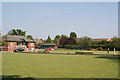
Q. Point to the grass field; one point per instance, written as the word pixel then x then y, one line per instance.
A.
pixel 73 51
pixel 59 66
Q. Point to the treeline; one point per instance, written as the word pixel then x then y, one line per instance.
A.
pixel 72 42
pixel 86 43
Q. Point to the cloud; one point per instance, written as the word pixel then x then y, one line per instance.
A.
pixel 47 12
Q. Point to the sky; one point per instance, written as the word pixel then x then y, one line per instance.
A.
pixel 40 19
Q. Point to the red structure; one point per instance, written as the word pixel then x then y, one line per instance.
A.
pixel 14 42
pixel 101 39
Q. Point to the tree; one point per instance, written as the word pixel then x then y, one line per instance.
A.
pixel 3 42
pixel 48 40
pixel 67 41
pixel 73 35
pixel 30 37
pixel 84 42
pixel 41 39
pixel 63 41
pixel 116 43
pixel 56 38
pixel 64 36
pixel 17 32
pixel 71 41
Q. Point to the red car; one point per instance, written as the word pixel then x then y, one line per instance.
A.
pixel 47 49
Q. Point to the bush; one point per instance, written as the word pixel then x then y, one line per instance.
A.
pixel 84 53
pixel 41 52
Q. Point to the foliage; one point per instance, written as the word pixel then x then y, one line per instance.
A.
pixel 17 32
pixel 84 42
pixel 116 43
pixel 73 35
pixel 30 37
pixel 48 40
pixel 56 38
pixel 67 41
pixel 64 36
pixel 3 42
pixel 41 40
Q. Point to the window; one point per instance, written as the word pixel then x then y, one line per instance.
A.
pixel 11 43
pixel 31 44
pixel 24 45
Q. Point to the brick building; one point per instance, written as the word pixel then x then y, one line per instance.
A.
pixel 49 45
pixel 14 42
pixel 38 41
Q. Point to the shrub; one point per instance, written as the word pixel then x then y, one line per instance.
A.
pixel 84 53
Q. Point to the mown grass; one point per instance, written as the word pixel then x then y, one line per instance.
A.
pixel 59 66
pixel 74 50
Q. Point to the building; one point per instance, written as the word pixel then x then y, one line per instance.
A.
pixel 111 39
pixel 14 42
pixel 49 45
pixel 58 41
pixel 37 41
pixel 100 39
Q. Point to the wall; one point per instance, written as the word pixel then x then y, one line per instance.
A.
pixel 8 47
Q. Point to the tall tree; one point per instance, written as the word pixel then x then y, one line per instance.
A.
pixel 17 32
pixel 30 37
pixel 48 40
pixel 73 35
pixel 84 42
pixel 116 43
pixel 64 36
pixel 56 38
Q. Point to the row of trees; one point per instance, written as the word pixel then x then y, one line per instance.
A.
pixel 87 43
pixel 73 42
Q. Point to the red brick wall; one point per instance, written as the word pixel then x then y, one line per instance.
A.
pixel 55 47
pixel 8 47
pixel 31 46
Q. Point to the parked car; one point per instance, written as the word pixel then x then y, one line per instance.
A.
pixel 47 49
pixel 19 50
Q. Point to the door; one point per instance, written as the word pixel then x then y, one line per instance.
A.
pixel 19 44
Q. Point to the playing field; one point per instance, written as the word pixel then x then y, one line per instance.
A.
pixel 74 50
pixel 59 66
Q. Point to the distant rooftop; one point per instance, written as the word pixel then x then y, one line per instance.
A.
pixel 50 44
pixel 16 38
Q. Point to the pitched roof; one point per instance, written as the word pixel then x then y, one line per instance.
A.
pixel 49 44
pixel 16 38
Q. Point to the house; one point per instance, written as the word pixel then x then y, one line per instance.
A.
pixel 111 39
pixel 49 45
pixel 14 42
pixel 100 39
pixel 37 41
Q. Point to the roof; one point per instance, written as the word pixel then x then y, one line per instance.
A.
pixel 38 40
pixel 100 39
pixel 49 44
pixel 16 38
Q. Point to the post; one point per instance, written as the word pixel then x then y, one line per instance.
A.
pixel 108 51
pixel 114 50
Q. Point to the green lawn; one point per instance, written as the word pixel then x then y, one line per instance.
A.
pixel 73 51
pixel 59 66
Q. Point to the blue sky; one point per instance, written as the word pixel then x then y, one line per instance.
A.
pixel 40 19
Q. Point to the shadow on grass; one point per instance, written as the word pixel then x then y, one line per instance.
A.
pixel 17 77
pixel 109 57
pixel 114 58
